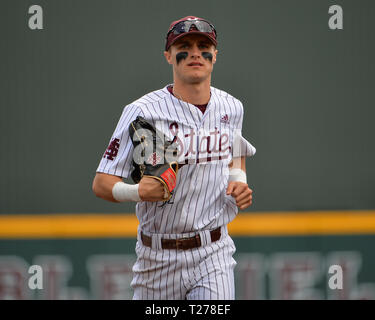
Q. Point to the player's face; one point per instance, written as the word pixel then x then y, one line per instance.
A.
pixel 192 57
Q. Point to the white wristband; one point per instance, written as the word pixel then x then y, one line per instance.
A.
pixel 125 192
pixel 237 175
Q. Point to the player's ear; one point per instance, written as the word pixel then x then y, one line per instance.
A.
pixel 168 56
pixel 214 56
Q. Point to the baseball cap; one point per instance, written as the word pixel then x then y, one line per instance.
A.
pixel 190 25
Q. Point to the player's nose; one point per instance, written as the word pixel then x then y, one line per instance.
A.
pixel 195 51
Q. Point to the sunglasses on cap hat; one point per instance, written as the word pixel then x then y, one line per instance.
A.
pixel 184 26
pixel 190 25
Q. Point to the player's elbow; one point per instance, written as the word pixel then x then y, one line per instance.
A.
pixel 102 186
pixel 95 187
pixel 98 186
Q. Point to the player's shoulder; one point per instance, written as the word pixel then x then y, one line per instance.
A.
pixel 142 104
pixel 150 98
pixel 221 94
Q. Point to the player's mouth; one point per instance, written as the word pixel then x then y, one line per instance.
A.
pixel 195 64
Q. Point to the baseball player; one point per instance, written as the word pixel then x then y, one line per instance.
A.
pixel 183 247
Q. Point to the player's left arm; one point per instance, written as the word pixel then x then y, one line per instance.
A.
pixel 237 186
pixel 241 148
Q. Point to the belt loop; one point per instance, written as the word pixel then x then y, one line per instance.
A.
pixel 155 242
pixel 158 243
pixel 205 237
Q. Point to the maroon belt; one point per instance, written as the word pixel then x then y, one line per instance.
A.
pixel 183 243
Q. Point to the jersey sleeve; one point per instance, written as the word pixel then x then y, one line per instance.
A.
pixel 241 147
pixel 117 158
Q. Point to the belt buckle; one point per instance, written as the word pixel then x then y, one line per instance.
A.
pixel 180 244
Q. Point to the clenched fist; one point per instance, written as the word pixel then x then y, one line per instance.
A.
pixel 241 193
pixel 151 189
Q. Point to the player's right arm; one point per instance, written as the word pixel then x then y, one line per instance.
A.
pixel 149 189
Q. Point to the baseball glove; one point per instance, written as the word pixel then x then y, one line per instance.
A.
pixel 154 155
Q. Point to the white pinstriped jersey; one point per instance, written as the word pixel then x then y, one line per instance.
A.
pixel 206 142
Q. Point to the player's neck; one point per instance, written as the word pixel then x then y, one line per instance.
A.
pixel 198 94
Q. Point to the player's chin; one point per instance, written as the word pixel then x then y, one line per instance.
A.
pixel 197 77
